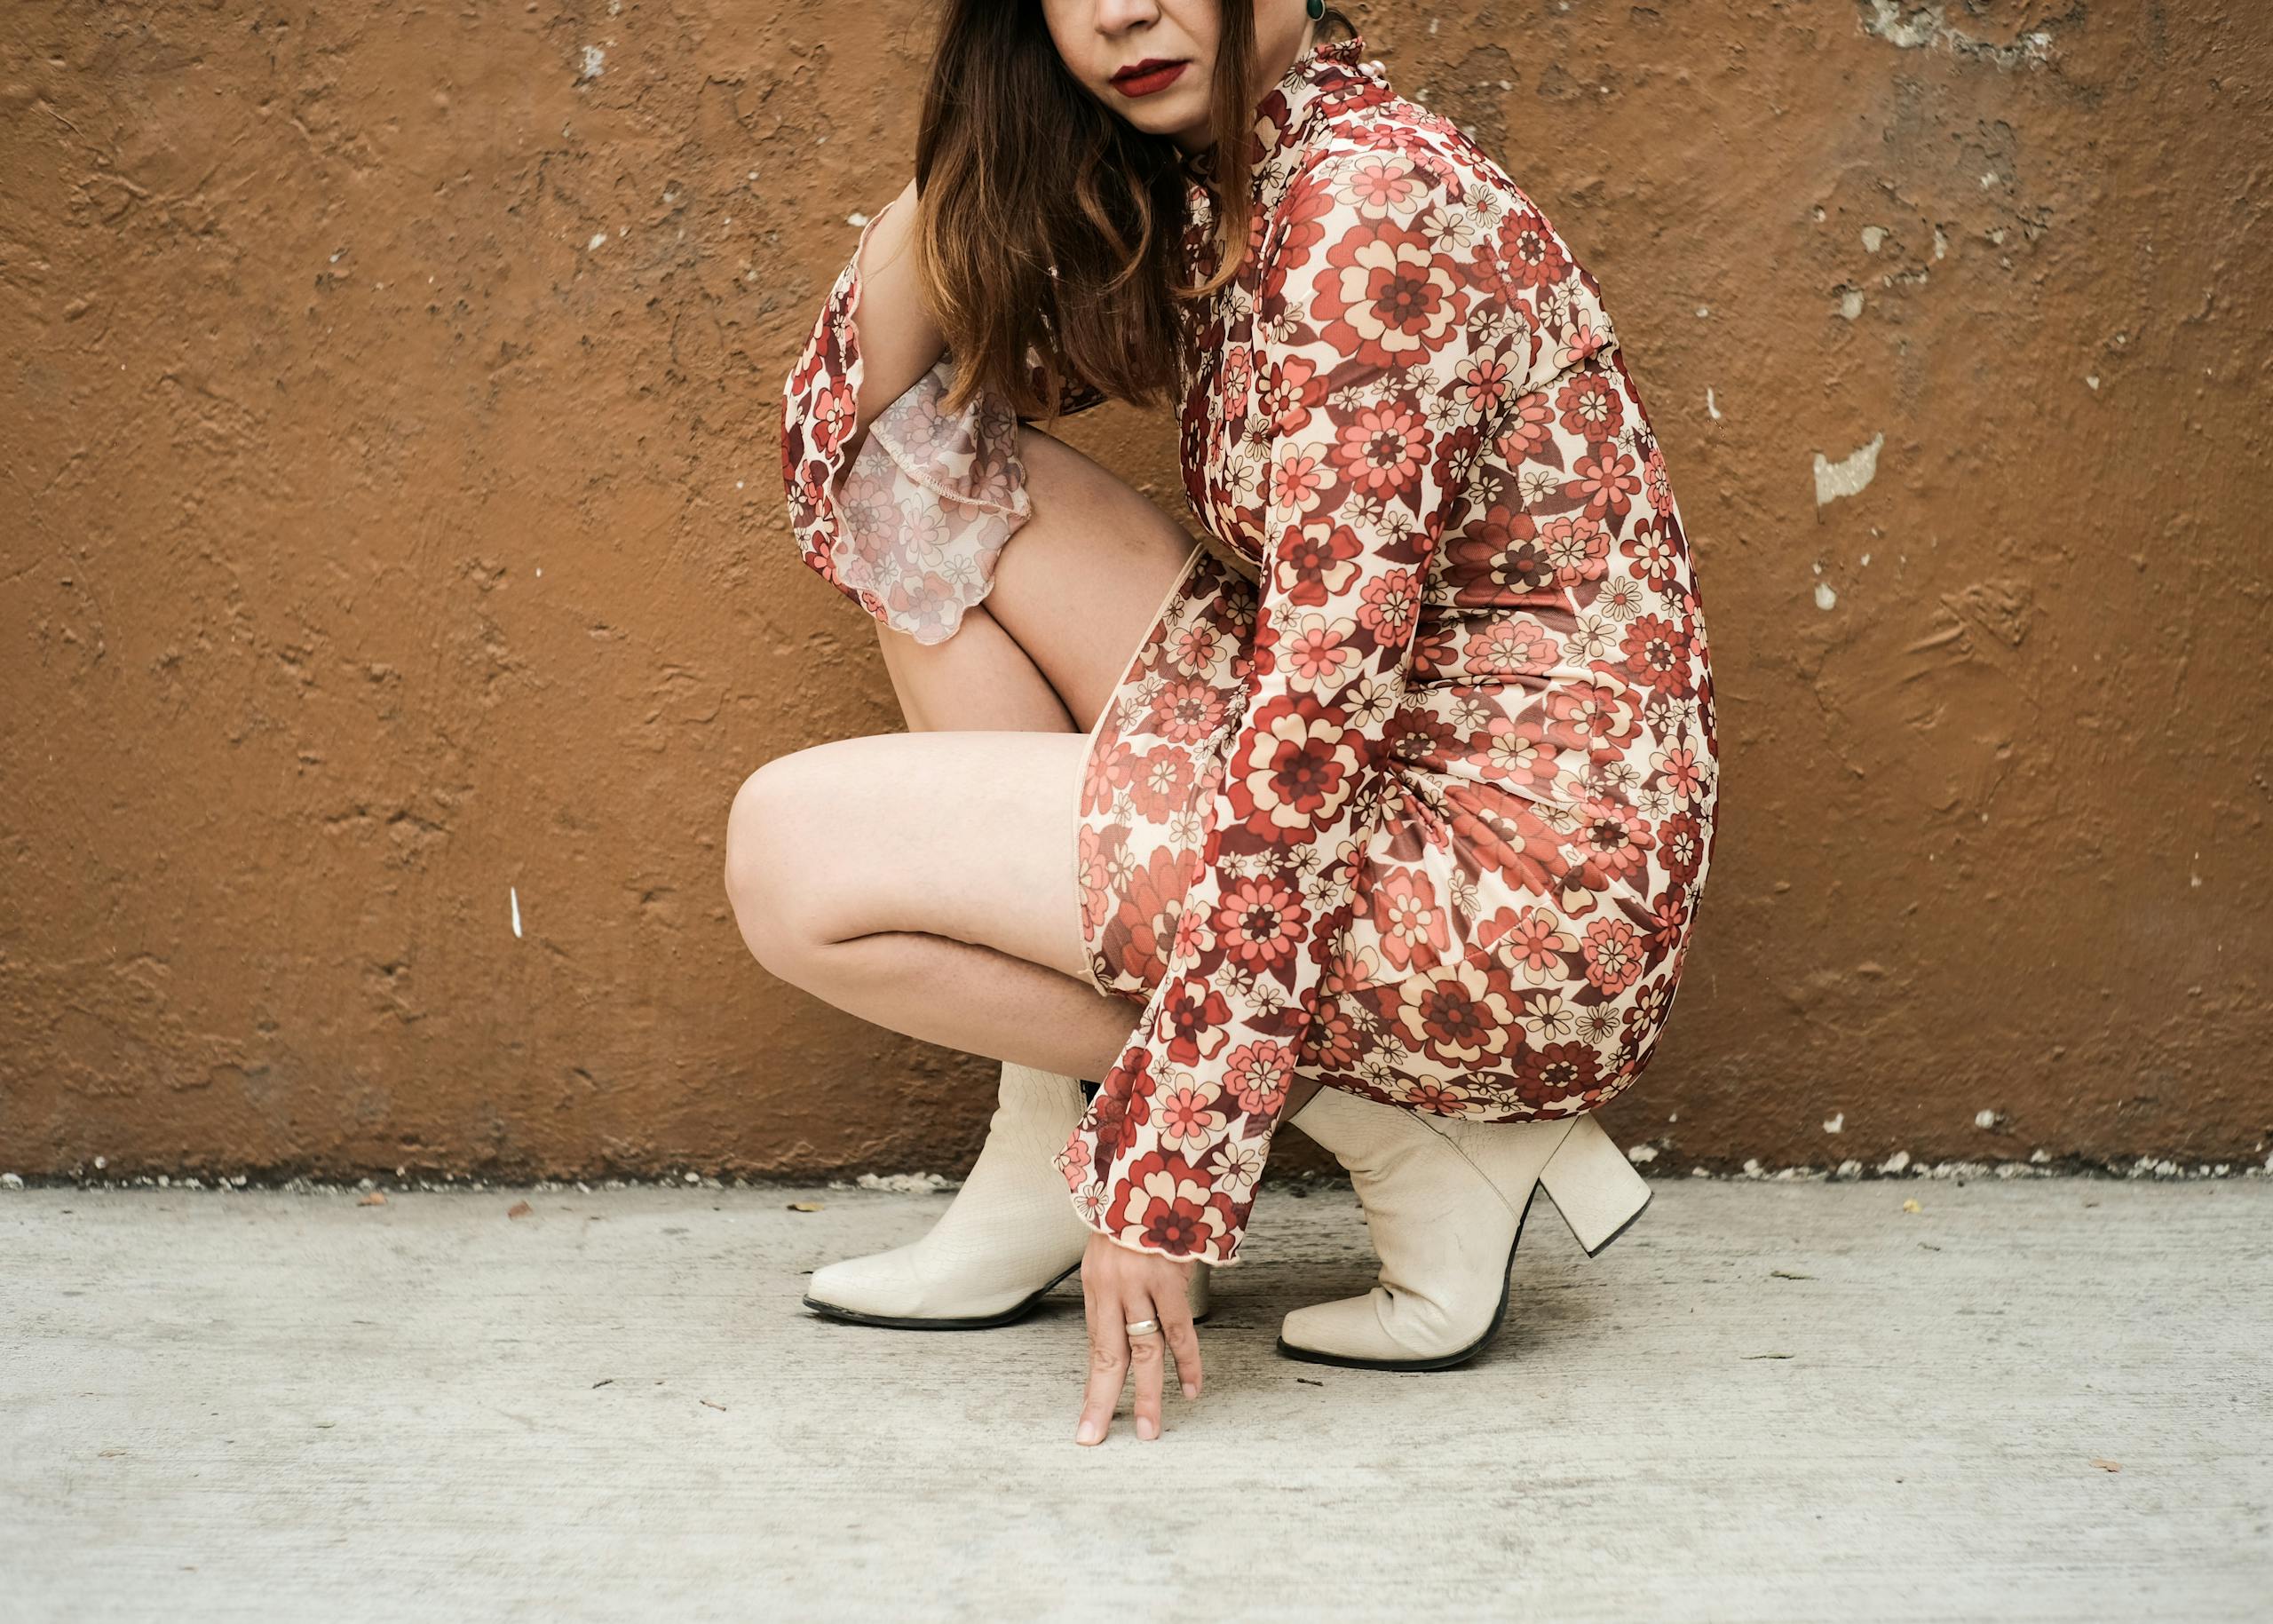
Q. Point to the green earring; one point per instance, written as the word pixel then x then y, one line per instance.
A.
pixel 1316 8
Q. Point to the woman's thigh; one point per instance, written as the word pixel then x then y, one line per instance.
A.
pixel 1079 583
pixel 968 835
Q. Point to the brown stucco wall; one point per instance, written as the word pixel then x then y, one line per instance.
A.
pixel 393 530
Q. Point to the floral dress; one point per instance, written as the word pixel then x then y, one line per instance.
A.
pixel 1424 810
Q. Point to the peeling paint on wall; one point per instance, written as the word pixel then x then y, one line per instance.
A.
pixel 1850 476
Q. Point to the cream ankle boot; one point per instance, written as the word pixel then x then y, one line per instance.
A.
pixel 1008 1237
pixel 1444 1202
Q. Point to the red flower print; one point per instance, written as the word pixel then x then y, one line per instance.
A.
pixel 1388 297
pixel 1656 655
pixel 1500 559
pixel 1411 920
pixel 1167 1205
pixel 1187 712
pixel 1518 751
pixel 1556 1072
pixel 1527 435
pixel 1534 256
pixel 1618 840
pixel 1388 602
pixel 1142 931
pixel 1104 776
pixel 1295 768
pixel 1590 714
pixel 1317 561
pixel 1605 481
pixel 1613 955
pixel 1681 847
pixel 1191 1019
pixel 1379 183
pixel 1162 776
pixel 1255 1075
pixel 1259 922
pixel 1591 407
pixel 1318 653
pixel 1123 1103
pixel 1576 549
pixel 1459 1013
pixel 1293 387
pixel 1187 1114
pixel 1655 558
pixel 1378 451
pixel 1530 940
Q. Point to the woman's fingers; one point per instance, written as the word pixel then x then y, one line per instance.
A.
pixel 1183 1337
pixel 1149 1354
pixel 1108 1360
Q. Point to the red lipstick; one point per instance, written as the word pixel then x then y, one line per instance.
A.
pixel 1149 76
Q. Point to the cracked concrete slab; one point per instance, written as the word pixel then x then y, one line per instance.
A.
pixel 2040 1398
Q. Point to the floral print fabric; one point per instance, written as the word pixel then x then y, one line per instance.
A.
pixel 1424 812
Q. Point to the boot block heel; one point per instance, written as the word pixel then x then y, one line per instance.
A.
pixel 1593 1185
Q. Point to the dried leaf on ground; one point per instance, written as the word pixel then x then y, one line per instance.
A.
pixel 805 1206
pixel 2107 1466
pixel 519 1209
pixel 377 1198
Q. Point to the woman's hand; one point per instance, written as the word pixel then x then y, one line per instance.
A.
pixel 1121 1286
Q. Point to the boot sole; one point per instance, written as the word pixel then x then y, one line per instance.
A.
pixel 1445 1362
pixel 1008 1316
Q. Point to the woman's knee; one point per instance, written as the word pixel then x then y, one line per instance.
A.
pixel 771 860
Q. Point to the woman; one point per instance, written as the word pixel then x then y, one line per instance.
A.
pixel 1401 842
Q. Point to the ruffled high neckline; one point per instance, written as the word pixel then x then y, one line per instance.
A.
pixel 1289 114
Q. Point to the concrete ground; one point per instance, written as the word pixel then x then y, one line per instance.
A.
pixel 2041 1399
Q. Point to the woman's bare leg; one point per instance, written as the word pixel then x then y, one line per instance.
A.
pixel 925 881
pixel 1074 591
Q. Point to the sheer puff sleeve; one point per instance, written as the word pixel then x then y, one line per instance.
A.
pixel 909 524
pixel 1391 343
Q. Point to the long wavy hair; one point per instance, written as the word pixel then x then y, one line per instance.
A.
pixel 1047 220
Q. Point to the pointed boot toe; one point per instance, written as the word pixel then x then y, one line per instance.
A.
pixel 1009 1235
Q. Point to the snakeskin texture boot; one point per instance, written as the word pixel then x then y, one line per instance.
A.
pixel 1008 1237
pixel 1445 1203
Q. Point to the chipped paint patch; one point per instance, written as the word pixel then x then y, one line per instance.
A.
pixel 1836 1122
pixel 1825 597
pixel 1849 476
pixel 1923 28
pixel 595 63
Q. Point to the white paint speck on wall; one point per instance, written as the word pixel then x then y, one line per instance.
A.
pixel 513 895
pixel 1849 476
pixel 1835 1123
pixel 595 62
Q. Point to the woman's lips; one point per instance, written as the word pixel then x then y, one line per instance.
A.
pixel 1151 80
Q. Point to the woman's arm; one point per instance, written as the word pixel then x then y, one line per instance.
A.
pixel 901 504
pixel 898 343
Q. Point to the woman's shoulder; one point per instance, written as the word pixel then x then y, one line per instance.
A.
pixel 1395 163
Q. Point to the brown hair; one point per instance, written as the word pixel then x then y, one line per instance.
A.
pixel 1019 170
